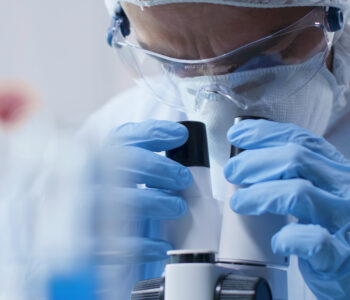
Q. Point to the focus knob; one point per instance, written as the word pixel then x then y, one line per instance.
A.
pixel 152 289
pixel 234 287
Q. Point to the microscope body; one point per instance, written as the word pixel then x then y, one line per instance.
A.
pixel 220 256
pixel 215 280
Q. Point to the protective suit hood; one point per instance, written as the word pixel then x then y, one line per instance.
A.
pixel 343 4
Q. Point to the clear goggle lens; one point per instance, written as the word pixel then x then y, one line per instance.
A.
pixel 279 64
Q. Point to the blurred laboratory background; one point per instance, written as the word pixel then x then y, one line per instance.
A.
pixel 56 69
pixel 59 48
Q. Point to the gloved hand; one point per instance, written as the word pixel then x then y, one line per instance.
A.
pixel 128 161
pixel 288 170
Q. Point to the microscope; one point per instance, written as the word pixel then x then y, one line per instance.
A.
pixel 218 256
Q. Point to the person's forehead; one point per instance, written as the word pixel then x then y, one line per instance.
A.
pixel 214 15
pixel 187 29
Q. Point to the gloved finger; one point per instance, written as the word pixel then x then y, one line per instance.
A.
pixel 134 250
pixel 153 135
pixel 142 203
pixel 256 134
pixel 141 166
pixel 287 162
pixel 297 197
pixel 323 251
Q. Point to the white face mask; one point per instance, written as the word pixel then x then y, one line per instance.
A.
pixel 276 99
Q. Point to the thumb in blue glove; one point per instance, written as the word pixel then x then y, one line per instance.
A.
pixel 324 259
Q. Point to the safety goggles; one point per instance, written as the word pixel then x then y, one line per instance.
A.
pixel 303 45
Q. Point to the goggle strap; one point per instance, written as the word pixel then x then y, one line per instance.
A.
pixel 120 22
pixel 335 18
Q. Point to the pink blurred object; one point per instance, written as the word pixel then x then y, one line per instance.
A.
pixel 18 101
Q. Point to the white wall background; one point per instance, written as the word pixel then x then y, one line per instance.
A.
pixel 59 47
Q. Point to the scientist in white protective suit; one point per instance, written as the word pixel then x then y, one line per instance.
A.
pixel 287 62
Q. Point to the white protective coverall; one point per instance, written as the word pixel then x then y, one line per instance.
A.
pixel 139 104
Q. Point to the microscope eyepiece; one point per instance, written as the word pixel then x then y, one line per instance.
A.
pixel 194 153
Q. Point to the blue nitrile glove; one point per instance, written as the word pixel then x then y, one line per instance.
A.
pixel 129 161
pixel 288 170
